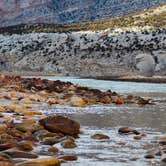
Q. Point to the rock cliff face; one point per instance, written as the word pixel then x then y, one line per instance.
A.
pixel 103 53
pixel 15 12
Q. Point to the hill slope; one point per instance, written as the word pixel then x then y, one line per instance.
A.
pixel 15 12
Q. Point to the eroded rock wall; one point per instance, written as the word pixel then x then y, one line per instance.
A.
pixel 103 53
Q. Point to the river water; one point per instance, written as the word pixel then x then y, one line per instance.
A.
pixel 107 119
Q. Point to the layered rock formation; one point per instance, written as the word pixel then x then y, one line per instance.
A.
pixel 15 12
pixel 103 53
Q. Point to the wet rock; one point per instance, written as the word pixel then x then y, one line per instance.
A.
pixel 135 158
pixel 138 137
pixel 3 128
pixel 119 101
pixel 25 146
pixel 53 150
pixel 99 136
pixel 128 130
pixel 159 153
pixel 52 101
pixel 164 160
pixel 36 98
pixel 2 108
pixel 69 144
pixel 41 162
pixel 32 113
pixel 121 143
pixel 51 140
pixel 1 115
pixel 60 124
pixel 105 100
pixel 44 133
pixel 5 160
pixel 149 156
pixel 68 158
pixel 142 101
pixel 162 142
pixel 6 146
pixel 24 127
pixel 15 133
pixel 20 154
pixel 77 101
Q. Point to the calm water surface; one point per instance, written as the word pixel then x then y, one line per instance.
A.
pixel 107 119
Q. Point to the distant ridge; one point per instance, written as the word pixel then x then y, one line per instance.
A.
pixel 16 12
pixel 154 17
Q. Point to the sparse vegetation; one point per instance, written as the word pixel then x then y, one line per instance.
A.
pixel 147 17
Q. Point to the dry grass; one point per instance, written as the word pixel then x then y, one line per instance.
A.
pixel 155 17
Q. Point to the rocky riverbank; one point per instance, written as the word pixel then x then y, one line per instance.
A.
pixel 26 134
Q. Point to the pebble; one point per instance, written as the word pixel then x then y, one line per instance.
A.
pixel 100 136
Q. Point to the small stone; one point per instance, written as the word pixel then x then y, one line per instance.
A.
pixel 32 113
pixel 5 160
pixel 20 154
pixel 164 160
pixel 149 156
pixel 68 144
pixel 119 101
pixel 41 162
pixel 53 150
pixel 134 158
pixel 24 127
pixel 51 140
pixel 6 146
pixel 2 108
pixel 159 153
pixel 25 146
pixel 121 143
pixel 77 101
pixel 138 137
pixel 3 128
pixel 68 158
pixel 128 130
pixel 162 142
pixel 100 136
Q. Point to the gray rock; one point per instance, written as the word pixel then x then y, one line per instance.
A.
pixel 145 64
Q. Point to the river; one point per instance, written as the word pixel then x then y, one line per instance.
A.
pixel 107 119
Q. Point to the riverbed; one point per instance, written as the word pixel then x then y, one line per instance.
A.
pixel 118 150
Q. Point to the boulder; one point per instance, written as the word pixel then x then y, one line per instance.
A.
pixel 145 63
pixel 60 124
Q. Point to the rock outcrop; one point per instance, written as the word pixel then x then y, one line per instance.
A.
pixel 15 12
pixel 102 53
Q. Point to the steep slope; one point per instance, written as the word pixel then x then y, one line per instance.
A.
pixel 15 12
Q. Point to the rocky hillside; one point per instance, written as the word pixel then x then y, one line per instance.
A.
pixel 135 44
pixel 15 12
pixel 103 53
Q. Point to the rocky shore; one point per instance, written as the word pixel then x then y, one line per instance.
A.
pixel 26 135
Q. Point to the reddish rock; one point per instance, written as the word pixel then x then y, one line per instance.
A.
pixel 128 130
pixel 61 124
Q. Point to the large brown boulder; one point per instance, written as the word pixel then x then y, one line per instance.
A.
pixel 60 124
